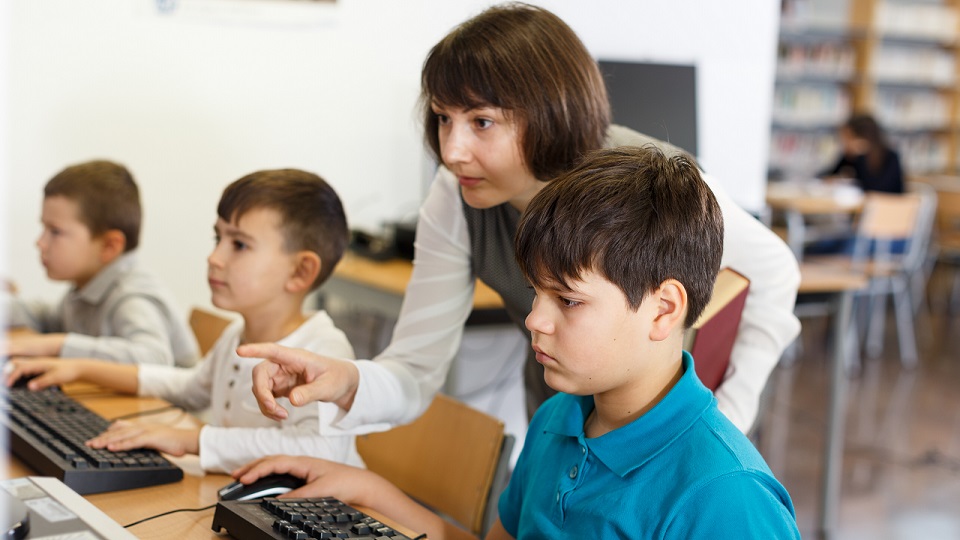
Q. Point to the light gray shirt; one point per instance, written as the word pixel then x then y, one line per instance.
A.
pixel 122 315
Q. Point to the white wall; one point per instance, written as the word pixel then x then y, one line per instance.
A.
pixel 195 98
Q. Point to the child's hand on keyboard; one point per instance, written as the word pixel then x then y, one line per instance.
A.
pixel 125 435
pixel 42 372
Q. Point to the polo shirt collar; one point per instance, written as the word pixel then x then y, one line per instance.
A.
pixel 101 284
pixel 646 436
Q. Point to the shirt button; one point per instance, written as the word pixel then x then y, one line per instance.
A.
pixel 558 496
pixel 583 450
pixel 231 383
pixel 226 405
pixel 236 367
pixel 573 471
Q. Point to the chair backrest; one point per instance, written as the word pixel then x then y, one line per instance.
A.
pixel 453 459
pixel 710 340
pixel 890 218
pixel 207 327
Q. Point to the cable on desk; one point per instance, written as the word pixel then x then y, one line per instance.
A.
pixel 127 526
pixel 423 536
pixel 145 413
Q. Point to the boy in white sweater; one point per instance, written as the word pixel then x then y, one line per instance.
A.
pixel 279 235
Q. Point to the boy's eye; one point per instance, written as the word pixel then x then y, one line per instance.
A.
pixel 567 302
pixel 442 119
pixel 483 123
pixel 239 246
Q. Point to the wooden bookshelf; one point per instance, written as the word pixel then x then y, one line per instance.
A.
pixel 898 59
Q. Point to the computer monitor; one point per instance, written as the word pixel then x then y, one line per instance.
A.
pixel 659 100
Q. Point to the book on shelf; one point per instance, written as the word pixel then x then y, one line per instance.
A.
pixel 710 339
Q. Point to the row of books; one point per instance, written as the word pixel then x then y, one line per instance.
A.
pixel 913 65
pixel 825 60
pixel 926 21
pixel 900 110
pixel 806 154
pixel 827 106
pixel 810 105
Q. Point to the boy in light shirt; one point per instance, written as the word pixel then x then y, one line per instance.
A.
pixel 279 235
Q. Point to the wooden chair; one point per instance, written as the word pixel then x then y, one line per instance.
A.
pixel 207 327
pixel 710 340
pixel 453 459
pixel 885 221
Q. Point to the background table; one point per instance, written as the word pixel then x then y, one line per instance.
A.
pixel 840 286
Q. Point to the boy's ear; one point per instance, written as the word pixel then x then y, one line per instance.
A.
pixel 305 272
pixel 113 244
pixel 671 299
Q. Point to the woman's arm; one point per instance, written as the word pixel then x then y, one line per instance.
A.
pixel 400 383
pixel 767 324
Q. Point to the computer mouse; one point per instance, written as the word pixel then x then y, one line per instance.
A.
pixel 267 486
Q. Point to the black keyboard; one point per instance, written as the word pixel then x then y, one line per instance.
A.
pixel 47 430
pixel 298 519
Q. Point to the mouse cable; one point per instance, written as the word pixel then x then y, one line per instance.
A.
pixel 145 413
pixel 127 526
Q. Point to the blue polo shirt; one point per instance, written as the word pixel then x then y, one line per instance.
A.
pixel 681 470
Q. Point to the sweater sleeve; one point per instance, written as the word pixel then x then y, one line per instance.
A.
pixel 768 323
pixel 307 432
pixel 399 384
pixel 141 336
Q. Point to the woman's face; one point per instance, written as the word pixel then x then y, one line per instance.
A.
pixel 482 148
pixel 851 144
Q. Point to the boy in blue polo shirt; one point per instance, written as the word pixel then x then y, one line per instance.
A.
pixel 622 253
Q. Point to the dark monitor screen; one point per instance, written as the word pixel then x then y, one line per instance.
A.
pixel 659 100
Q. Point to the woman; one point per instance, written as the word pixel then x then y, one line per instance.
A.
pixel 867 158
pixel 511 98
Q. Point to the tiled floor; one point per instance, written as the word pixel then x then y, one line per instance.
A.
pixel 901 469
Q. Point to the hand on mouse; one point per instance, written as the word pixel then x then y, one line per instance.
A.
pixel 353 486
pixel 323 478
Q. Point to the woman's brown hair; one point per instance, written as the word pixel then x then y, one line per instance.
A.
pixel 527 61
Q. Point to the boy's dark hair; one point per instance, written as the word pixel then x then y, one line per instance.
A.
pixel 527 61
pixel 312 217
pixel 106 194
pixel 632 215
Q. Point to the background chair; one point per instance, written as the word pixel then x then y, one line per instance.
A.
pixel 207 327
pixel 890 247
pixel 453 459
pixel 710 340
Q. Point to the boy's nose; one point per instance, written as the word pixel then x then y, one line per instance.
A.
pixel 537 321
pixel 213 260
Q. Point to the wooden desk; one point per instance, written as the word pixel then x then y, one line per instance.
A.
pixel 378 287
pixel 196 490
pixel 798 202
pixel 840 286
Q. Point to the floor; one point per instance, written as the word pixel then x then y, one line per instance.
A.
pixel 901 470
